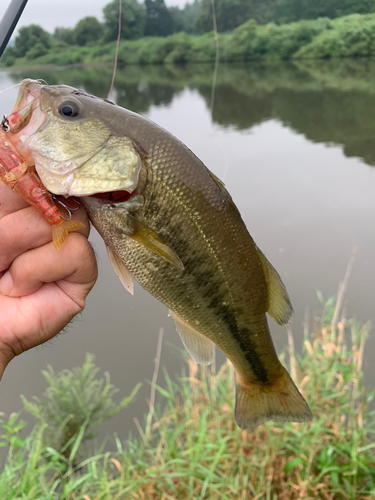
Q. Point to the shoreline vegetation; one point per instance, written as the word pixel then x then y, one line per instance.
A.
pixel 190 447
pixel 348 36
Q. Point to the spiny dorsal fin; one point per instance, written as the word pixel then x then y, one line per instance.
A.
pixel 145 236
pixel 279 306
pixel 121 271
pixel 200 348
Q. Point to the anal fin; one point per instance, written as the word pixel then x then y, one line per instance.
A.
pixel 200 348
pixel 257 403
pixel 121 271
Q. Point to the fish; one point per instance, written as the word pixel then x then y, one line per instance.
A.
pixel 23 180
pixel 170 224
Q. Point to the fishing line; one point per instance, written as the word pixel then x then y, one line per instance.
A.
pixel 117 46
pixel 213 89
pixel 9 88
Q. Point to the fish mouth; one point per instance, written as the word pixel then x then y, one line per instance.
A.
pixel 29 90
pixel 113 196
pixel 26 103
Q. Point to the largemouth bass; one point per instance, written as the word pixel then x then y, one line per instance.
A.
pixel 170 224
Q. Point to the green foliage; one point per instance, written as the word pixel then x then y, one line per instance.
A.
pixel 193 449
pixel 9 57
pixel 10 438
pixel 351 36
pixel 240 45
pixel 133 17
pixel 190 13
pixel 158 19
pixel 229 14
pixel 294 10
pixel 283 41
pixel 28 37
pixel 88 30
pixel 37 50
pixel 64 35
pixel 76 404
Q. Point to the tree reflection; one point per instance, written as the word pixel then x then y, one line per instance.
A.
pixel 327 101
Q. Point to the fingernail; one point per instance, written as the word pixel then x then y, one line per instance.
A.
pixel 6 284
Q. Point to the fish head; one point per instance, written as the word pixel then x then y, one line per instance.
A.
pixel 67 135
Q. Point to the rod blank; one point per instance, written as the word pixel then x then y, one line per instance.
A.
pixel 9 22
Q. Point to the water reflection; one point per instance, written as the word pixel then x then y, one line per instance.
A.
pixel 327 101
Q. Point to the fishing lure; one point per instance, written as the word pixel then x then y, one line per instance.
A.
pixel 23 180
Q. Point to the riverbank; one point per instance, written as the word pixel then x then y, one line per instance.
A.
pixel 348 36
pixel 193 449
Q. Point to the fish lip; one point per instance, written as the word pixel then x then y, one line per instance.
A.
pixel 28 91
pixel 26 102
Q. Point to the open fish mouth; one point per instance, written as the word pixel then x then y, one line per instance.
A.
pixel 26 103
pixel 28 91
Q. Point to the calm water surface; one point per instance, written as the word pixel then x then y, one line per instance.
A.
pixel 295 147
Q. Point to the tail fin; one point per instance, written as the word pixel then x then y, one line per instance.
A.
pixel 257 403
pixel 60 231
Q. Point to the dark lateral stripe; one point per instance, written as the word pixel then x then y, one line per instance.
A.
pixel 243 338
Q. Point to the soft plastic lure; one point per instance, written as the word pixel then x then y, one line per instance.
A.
pixel 23 180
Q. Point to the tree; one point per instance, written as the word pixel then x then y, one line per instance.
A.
pixel 158 19
pixel 133 17
pixel 293 10
pixel 189 17
pixel 64 35
pixel 177 19
pixel 229 14
pixel 28 37
pixel 87 30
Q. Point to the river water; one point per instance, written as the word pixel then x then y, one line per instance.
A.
pixel 294 144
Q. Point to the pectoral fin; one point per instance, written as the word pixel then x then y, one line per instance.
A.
pixel 121 271
pixel 147 237
pixel 200 348
pixel 279 306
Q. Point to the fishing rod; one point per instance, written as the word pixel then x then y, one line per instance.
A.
pixel 9 22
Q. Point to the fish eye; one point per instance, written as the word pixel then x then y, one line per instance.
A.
pixel 69 109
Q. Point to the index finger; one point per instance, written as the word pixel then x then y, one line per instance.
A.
pixel 10 201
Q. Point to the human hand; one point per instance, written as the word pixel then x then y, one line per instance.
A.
pixel 41 288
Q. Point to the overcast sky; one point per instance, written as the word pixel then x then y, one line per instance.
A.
pixel 52 13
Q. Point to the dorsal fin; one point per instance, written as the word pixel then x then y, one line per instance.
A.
pixel 279 306
pixel 200 348
pixel 218 181
pixel 121 271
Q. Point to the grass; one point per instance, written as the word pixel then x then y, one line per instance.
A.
pixel 192 449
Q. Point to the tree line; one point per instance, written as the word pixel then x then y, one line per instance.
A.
pixel 154 18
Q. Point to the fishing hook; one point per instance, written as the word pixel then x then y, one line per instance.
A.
pixel 68 209
pixel 5 124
